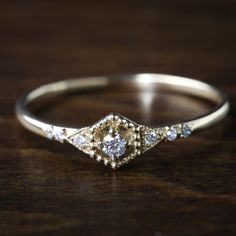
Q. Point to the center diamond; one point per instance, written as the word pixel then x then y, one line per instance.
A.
pixel 113 145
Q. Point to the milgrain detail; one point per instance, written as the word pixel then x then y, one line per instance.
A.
pixel 115 140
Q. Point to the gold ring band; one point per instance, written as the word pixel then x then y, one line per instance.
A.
pixel 115 140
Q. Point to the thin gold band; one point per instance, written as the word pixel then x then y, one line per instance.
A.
pixel 94 140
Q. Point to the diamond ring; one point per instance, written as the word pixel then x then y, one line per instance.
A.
pixel 115 139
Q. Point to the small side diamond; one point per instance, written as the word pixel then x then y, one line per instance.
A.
pixel 49 132
pixel 185 131
pixel 79 140
pixel 171 134
pixel 58 134
pixel 151 138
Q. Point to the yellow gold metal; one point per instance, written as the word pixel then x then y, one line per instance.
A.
pixel 115 139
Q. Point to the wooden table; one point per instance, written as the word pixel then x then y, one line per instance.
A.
pixel 184 188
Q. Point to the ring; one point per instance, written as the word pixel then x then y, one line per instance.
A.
pixel 115 140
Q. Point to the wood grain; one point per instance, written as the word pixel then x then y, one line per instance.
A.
pixel 185 188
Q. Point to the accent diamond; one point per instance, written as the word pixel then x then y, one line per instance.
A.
pixel 185 131
pixel 79 140
pixel 171 134
pixel 58 134
pixel 114 140
pixel 49 132
pixel 151 138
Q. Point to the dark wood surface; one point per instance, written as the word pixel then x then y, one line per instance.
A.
pixel 184 188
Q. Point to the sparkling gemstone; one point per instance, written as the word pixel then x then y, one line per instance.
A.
pixel 151 138
pixel 49 132
pixel 171 135
pixel 79 140
pixel 114 145
pixel 185 131
pixel 58 134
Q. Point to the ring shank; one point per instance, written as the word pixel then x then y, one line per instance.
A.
pixel 170 82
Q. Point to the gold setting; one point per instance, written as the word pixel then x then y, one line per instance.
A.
pixel 115 140
pixel 113 123
pixel 160 135
pixel 138 138
pixel 135 139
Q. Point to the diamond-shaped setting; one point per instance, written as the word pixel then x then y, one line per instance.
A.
pixel 81 139
pixel 151 136
pixel 116 140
